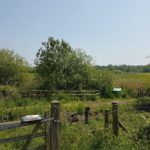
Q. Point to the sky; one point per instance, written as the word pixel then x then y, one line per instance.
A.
pixel 111 31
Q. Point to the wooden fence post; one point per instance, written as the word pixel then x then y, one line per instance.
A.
pixel 47 131
pixel 115 118
pixel 55 125
pixel 106 116
pixel 86 114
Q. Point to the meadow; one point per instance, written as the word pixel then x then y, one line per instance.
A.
pixel 91 136
pixel 133 79
pixel 81 136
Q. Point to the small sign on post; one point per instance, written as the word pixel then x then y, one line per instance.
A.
pixel 117 91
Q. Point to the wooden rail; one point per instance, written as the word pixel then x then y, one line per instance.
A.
pixel 20 138
pixel 46 93
pixel 13 125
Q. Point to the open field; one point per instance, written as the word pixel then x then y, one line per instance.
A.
pixel 139 79
pixel 79 135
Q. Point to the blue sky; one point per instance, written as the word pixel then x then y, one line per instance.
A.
pixel 111 31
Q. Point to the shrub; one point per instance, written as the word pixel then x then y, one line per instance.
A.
pixel 143 103
pixel 22 102
pixel 92 97
pixel 9 91
pixel 144 133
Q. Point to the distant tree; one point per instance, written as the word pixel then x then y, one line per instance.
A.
pixel 146 68
pixel 12 68
pixel 125 68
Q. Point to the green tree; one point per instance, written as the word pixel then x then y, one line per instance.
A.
pixel 60 66
pixel 12 68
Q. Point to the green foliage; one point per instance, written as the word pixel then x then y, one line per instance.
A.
pixel 22 103
pixel 143 103
pixel 104 139
pixel 106 85
pixel 12 67
pixel 125 68
pixel 64 97
pixel 7 90
pixel 80 107
pixel 80 136
pixel 51 61
pixel 144 135
pixel 75 137
pixel 61 67
pixel 92 97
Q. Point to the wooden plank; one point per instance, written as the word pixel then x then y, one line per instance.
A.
pixel 25 147
pixel 86 114
pixel 13 125
pixel 20 138
pixel 47 132
pixel 106 117
pixel 122 126
pixel 55 125
pixel 115 117
pixel 84 94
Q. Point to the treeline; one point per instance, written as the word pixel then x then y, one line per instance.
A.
pixel 57 67
pixel 125 68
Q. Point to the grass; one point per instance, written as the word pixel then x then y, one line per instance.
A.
pixel 134 79
pixel 130 82
pixel 80 136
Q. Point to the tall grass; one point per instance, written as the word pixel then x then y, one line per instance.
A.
pixel 80 136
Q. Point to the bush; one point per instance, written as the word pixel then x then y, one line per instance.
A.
pixel 22 102
pixel 9 91
pixel 92 97
pixel 80 108
pixel 144 133
pixel 143 103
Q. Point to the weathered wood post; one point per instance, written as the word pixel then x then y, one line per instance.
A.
pixel 47 131
pixel 106 117
pixel 55 125
pixel 86 114
pixel 115 118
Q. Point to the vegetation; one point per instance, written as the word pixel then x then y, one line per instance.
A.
pixel 90 136
pixel 12 68
pixel 59 67
pixel 60 70
pixel 143 103
pixel 126 68
pixel 14 71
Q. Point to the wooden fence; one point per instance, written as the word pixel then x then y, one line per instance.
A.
pixel 51 134
pixel 52 126
pixel 116 122
pixel 47 93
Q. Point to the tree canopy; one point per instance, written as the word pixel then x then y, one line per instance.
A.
pixel 12 68
pixel 60 66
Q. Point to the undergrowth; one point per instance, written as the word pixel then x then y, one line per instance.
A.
pixel 78 135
